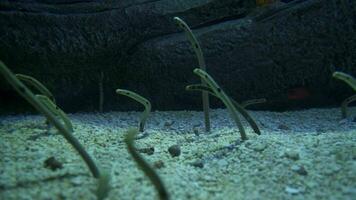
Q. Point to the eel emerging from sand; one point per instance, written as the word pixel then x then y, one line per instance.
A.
pixel 347 78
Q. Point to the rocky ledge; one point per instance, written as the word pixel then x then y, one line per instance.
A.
pixel 284 52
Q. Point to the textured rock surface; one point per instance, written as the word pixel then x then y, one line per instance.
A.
pixel 135 44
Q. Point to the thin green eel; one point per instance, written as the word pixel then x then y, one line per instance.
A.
pixel 351 81
pixel 224 98
pixel 344 105
pixel 140 99
pixel 37 85
pixel 56 110
pixel 240 108
pixel 40 107
pixel 199 53
pixel 144 166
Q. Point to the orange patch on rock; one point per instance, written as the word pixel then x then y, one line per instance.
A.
pixel 264 2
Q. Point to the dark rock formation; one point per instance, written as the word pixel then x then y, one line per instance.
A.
pixel 252 53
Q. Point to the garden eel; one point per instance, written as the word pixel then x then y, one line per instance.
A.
pixel 240 108
pixel 37 85
pixel 103 189
pixel 144 166
pixel 224 98
pixel 55 110
pixel 244 104
pixel 344 105
pixel 351 81
pixel 199 53
pixel 140 99
pixel 39 106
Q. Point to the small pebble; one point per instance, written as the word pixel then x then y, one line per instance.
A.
pixel 52 163
pixel 168 123
pixel 77 181
pixel 174 150
pixel 259 147
pixel 158 164
pixel 198 164
pixel 189 139
pixel 292 154
pixel 291 190
pixel 148 150
pixel 299 169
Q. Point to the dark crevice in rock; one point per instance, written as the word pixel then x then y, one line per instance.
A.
pixel 140 4
pixel 269 12
pixel 195 28
pixel 48 10
pixel 63 7
pixel 64 2
pixel 219 21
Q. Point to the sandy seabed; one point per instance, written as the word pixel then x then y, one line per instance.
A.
pixel 309 154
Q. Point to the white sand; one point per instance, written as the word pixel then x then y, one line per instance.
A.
pixel 269 166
